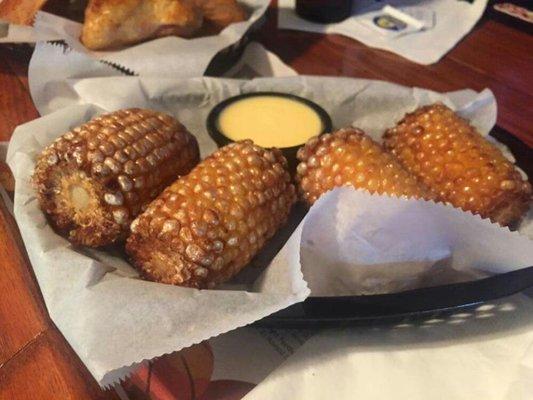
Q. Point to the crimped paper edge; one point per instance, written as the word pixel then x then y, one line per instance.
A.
pixel 120 374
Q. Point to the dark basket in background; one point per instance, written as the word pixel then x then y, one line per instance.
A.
pixel 228 57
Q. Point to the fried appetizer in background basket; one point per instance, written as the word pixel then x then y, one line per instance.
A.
pixel 461 166
pixel 221 13
pixel 95 179
pixel 20 12
pixel 206 226
pixel 114 23
pixel 350 157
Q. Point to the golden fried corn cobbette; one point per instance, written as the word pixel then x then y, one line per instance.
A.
pixel 462 167
pixel 206 226
pixel 95 179
pixel 350 157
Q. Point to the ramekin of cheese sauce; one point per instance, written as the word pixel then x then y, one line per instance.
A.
pixel 269 119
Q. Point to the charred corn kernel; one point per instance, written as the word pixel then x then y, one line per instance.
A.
pixel 95 179
pixel 461 166
pixel 350 157
pixel 206 226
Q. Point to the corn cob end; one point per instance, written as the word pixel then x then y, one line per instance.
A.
pixel 92 181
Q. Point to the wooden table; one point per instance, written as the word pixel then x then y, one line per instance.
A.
pixel 37 363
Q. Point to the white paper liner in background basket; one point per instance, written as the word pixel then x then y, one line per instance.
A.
pixel 51 64
pixel 114 320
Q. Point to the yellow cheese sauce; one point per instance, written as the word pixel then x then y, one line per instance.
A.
pixel 270 121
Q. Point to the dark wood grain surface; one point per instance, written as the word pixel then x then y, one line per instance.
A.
pixel 35 360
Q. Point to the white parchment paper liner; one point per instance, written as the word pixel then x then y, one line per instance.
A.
pixel 167 56
pixel 51 64
pixel 112 319
pixel 372 105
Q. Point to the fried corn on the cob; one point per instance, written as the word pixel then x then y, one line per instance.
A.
pixel 350 157
pixel 208 225
pixel 462 167
pixel 95 179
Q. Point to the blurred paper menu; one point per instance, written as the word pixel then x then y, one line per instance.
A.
pixel 225 367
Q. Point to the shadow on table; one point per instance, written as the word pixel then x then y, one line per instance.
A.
pixel 287 44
